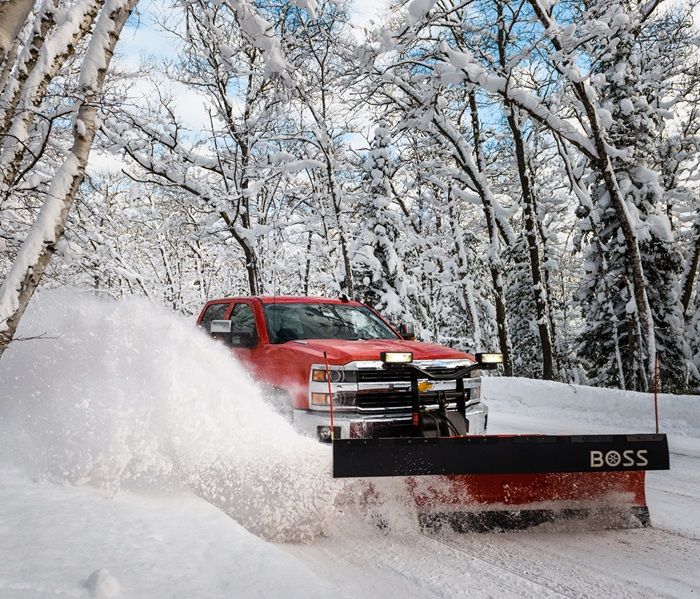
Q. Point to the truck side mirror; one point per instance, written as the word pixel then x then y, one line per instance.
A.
pixel 407 331
pixel 221 330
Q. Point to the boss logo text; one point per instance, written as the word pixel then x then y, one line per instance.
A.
pixel 625 459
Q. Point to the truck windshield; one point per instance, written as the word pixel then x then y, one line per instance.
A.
pixel 286 322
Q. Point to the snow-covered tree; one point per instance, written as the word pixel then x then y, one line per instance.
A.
pixel 381 279
pixel 631 79
pixel 40 243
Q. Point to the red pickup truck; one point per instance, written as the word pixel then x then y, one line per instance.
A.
pixel 396 407
pixel 294 345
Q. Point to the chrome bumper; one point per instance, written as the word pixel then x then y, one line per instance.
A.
pixel 308 422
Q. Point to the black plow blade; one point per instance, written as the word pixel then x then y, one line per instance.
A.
pixel 517 454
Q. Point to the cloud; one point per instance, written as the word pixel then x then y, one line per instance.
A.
pixel 104 163
pixel 364 11
pixel 144 38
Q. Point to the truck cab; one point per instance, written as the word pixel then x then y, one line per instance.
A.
pixel 320 356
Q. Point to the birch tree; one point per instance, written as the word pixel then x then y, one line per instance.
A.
pixel 24 95
pixel 40 244
pixel 13 16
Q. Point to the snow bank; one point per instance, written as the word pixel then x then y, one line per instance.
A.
pixel 125 394
pixel 576 408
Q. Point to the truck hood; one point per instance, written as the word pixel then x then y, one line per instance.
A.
pixel 342 351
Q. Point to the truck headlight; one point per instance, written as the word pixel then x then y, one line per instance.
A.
pixel 337 375
pixel 341 400
pixel 320 399
pixel 319 376
pixel 473 384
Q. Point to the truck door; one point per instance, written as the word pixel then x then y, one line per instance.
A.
pixel 245 337
pixel 212 311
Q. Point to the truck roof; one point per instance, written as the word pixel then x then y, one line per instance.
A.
pixel 291 299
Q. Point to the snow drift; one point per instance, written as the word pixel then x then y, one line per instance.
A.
pixel 126 394
pixel 516 403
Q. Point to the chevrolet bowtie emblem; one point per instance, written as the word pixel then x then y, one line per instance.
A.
pixel 424 386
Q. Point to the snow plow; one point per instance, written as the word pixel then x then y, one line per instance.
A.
pixel 396 407
pixel 504 482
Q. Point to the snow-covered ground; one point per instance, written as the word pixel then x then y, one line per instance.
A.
pixel 137 460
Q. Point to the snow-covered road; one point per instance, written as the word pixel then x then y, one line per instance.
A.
pixel 640 563
pixel 160 545
pixel 154 458
pixel 173 544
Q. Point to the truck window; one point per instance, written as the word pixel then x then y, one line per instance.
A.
pixel 243 324
pixel 213 312
pixel 287 322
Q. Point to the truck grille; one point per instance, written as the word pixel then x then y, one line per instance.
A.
pixel 397 374
pixel 377 400
pixel 380 391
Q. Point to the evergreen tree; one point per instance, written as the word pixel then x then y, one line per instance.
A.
pixel 380 279
pixel 613 341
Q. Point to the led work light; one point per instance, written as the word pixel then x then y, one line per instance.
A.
pixel 396 357
pixel 483 358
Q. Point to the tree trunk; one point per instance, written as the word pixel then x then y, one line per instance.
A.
pixel 52 57
pixel 466 287
pixel 530 215
pixel 307 266
pixel 248 253
pixel 491 227
pixel 11 89
pixel 691 273
pixel 13 16
pixel 347 283
pixel 6 69
pixel 39 246
pixel 538 288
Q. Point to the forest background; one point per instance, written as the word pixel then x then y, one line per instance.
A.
pixel 520 176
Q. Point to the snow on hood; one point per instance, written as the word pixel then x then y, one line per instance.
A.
pixel 125 394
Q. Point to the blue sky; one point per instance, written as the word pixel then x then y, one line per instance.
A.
pixel 143 38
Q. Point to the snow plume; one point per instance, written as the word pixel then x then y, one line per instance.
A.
pixel 124 395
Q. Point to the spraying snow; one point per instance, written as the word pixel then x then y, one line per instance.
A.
pixel 126 394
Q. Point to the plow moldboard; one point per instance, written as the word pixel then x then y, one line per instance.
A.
pixel 491 454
